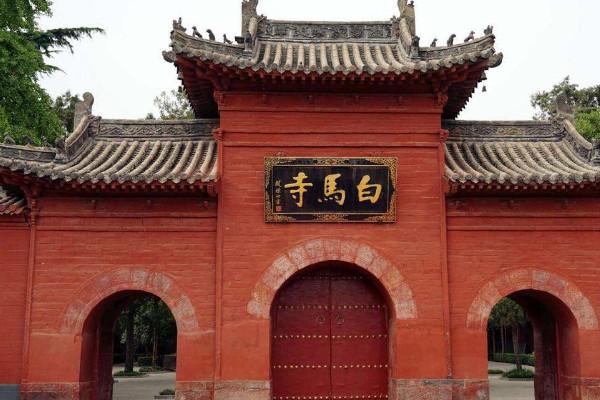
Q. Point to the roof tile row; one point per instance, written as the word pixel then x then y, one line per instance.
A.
pixel 127 152
pixel 518 153
pixel 11 203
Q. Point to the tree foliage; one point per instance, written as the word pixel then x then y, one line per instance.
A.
pixel 508 314
pixel 154 328
pixel 61 38
pixel 21 14
pixel 26 110
pixel 585 102
pixel 173 105
pixel 64 107
pixel 588 123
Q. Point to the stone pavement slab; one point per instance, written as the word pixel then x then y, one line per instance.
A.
pixel 147 387
pixel 143 388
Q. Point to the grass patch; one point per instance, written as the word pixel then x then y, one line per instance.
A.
pixel 151 369
pixel 516 374
pixel 510 358
pixel 167 392
pixel 133 374
pixel 495 372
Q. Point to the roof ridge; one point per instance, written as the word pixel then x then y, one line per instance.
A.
pixel 142 121
pixel 505 131
pixel 497 122
pixel 326 22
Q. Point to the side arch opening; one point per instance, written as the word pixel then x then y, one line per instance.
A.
pixel 106 349
pixel 554 345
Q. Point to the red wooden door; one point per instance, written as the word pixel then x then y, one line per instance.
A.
pixel 330 337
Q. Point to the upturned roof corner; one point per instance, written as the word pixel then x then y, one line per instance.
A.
pixel 322 50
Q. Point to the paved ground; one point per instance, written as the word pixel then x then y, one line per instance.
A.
pixel 143 388
pixel 501 389
pixel 147 387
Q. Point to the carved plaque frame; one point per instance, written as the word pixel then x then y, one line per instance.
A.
pixel 317 207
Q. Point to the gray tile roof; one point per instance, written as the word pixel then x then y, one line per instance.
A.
pixel 330 56
pixel 117 151
pixel 11 202
pixel 372 51
pixel 114 152
pixel 520 153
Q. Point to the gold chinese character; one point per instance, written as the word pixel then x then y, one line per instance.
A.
pixel 331 190
pixel 299 188
pixel 368 192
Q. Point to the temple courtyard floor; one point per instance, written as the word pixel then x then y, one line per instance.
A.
pixel 149 386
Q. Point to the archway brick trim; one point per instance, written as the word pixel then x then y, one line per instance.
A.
pixel 534 279
pixel 321 250
pixel 125 279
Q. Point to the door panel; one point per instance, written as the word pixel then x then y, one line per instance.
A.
pixel 359 349
pixel 330 337
pixel 301 339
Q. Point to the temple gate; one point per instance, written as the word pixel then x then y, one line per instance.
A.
pixel 324 229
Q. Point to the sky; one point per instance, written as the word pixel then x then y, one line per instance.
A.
pixel 542 40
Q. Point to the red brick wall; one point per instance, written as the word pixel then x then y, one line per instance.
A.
pixel 81 239
pixel 208 267
pixel 14 249
pixel 491 237
pixel 342 126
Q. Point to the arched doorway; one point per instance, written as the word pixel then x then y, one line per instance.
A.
pixel 555 348
pixel 99 344
pixel 330 336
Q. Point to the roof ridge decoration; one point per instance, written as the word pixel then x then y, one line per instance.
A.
pixel 81 121
pixel 375 50
pixel 565 113
pixel 249 11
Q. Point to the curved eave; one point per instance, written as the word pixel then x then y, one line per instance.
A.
pixel 352 58
pixel 545 189
pixel 206 65
pixel 155 187
pixel 202 77
pixel 12 204
pixel 518 156
pixel 121 155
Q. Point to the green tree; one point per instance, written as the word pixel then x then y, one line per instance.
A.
pixel 129 337
pixel 146 326
pixel 585 102
pixel 26 110
pixel 508 314
pixel 173 105
pixel 64 107
pixel 588 123
pixel 155 324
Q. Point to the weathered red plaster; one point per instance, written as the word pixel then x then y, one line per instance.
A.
pixel 316 251
pixel 544 281
pixel 219 273
pixel 125 279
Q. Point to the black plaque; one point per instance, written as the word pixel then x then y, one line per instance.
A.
pixel 330 189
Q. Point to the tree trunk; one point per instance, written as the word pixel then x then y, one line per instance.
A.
pixel 494 342
pixel 129 341
pixel 502 340
pixel 154 347
pixel 515 339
